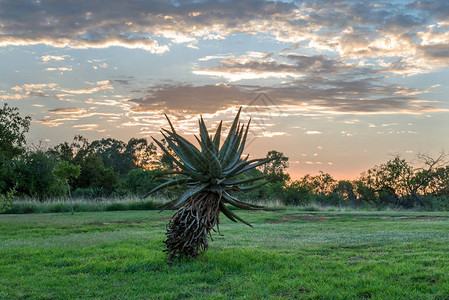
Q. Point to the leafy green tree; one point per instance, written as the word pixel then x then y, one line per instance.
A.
pixel 297 192
pixel 439 182
pixel 35 175
pixel 344 190
pixel 124 157
pixel 95 175
pixel 13 128
pixel 398 183
pixel 65 171
pixel 323 183
pixel 141 181
pixel 6 200
pixel 143 153
pixel 389 181
pixel 275 168
pixel 113 153
pixel 75 152
pixel 12 131
pixel 422 178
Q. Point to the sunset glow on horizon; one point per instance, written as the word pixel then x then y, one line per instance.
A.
pixel 337 86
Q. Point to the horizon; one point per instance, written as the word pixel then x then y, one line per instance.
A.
pixel 337 87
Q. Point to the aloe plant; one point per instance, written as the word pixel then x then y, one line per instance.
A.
pixel 210 172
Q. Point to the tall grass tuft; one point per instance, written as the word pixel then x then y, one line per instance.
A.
pixel 28 206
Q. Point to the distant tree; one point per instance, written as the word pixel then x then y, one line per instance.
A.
pixel 298 192
pixel 63 151
pixel 12 144
pixel 95 175
pixel 389 181
pixel 345 192
pixel 74 152
pixel 65 171
pixel 323 183
pixel 141 181
pixel 423 176
pixel 439 182
pixel 124 157
pixel 113 153
pixel 35 176
pixel 397 182
pixel 6 200
pixel 275 168
pixel 144 154
pixel 12 131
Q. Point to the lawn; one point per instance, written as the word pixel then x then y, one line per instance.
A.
pixel 288 253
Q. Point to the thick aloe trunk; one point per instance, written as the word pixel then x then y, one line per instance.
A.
pixel 189 228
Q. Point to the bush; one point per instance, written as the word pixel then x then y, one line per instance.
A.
pixel 22 208
pixel 144 205
pixel 6 200
pixel 57 208
pixel 140 181
pixel 296 194
pixel 436 203
pixel 115 206
pixel 61 207
pixel 82 193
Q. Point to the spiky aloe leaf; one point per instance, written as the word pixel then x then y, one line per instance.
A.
pixel 170 182
pixel 194 156
pixel 232 216
pixel 237 203
pixel 237 155
pixel 231 135
pixel 243 181
pixel 191 192
pixel 216 140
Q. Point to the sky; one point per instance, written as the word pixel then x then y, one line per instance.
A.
pixel 336 86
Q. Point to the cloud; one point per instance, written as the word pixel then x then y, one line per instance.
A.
pixel 349 29
pixel 46 58
pixel 9 96
pixel 60 116
pixel 69 110
pixel 53 90
pixel 88 127
pixel 257 65
pixel 213 57
pixel 62 69
pixel 99 85
pixel 183 98
pixel 130 24
pixel 312 96
pixel 270 134
pixel 34 86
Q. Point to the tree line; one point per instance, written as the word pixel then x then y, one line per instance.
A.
pixel 112 168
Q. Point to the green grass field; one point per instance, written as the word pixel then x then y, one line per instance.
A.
pixel 288 253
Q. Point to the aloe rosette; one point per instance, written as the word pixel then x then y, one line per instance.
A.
pixel 210 172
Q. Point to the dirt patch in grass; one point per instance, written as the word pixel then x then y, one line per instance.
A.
pixel 275 221
pixel 304 217
pixel 421 218
pixel 117 222
pixel 401 218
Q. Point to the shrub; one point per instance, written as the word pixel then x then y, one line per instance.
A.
pixel 6 200
pixel 140 181
pixel 144 205
pixel 115 206
pixel 82 193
